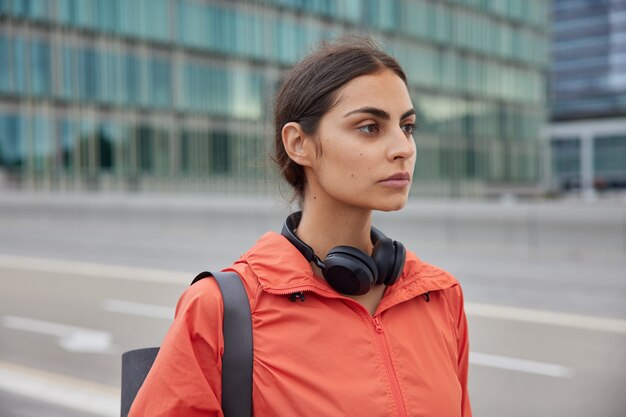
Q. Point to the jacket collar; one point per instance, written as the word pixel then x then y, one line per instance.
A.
pixel 281 269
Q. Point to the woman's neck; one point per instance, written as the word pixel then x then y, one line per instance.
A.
pixel 325 225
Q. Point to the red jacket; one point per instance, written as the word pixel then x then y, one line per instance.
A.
pixel 325 356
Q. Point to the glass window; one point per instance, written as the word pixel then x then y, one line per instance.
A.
pixel 130 18
pixel 40 68
pixel 387 14
pixel 11 141
pixel 145 149
pixel 87 77
pixel 162 151
pixel 443 23
pixel 197 24
pixel 193 85
pixel 69 89
pixel 132 81
pixel 155 19
pixel 85 16
pixel 247 155
pixel 5 7
pixel 21 8
pixel 66 12
pixel 228 31
pixel 7 140
pixel 610 157
pixel 94 67
pixel 38 9
pixel 160 83
pixel 220 85
pixel 5 63
pixel 42 144
pixel 566 160
pixel 107 14
pixel 220 153
pixel 68 132
pixel 19 65
pixel 447 65
pixel 105 143
pixel 411 20
pixel 85 152
pixel 506 36
pixel 125 162
pixel 351 10
pixel 109 79
pixel 243 38
pixel 185 152
pixel 258 38
pixel 195 153
pixel 246 95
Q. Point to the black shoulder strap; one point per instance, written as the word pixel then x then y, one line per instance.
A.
pixel 236 362
pixel 135 367
pixel 237 359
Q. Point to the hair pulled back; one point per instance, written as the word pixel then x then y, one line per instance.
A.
pixel 310 89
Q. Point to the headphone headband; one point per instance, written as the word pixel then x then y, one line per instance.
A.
pixel 292 222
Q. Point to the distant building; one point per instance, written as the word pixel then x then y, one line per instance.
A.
pixel 176 94
pixel 588 95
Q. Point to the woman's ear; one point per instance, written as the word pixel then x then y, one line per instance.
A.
pixel 297 144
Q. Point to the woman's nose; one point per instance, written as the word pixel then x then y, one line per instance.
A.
pixel 402 146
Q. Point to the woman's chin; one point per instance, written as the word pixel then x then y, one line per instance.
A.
pixel 392 205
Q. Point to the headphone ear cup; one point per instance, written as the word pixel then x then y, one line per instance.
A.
pixel 399 264
pixel 389 256
pixel 349 270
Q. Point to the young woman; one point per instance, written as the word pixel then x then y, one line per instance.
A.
pixel 346 322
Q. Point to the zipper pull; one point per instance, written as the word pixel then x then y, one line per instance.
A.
pixel 297 296
pixel 379 327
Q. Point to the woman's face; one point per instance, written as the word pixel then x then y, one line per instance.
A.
pixel 367 148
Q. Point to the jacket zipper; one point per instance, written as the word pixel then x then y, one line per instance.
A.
pixel 381 341
pixel 391 373
pixel 302 289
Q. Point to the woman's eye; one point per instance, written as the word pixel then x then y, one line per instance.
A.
pixel 369 129
pixel 409 128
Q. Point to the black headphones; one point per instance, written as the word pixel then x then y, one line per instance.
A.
pixel 349 270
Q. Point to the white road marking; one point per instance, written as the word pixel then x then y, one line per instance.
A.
pixel 70 338
pixel 94 269
pixel 520 365
pixel 138 309
pixel 546 317
pixel 182 278
pixel 62 390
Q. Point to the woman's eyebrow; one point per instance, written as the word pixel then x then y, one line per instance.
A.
pixel 380 113
pixel 407 114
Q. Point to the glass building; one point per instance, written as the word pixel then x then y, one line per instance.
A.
pixel 176 94
pixel 588 94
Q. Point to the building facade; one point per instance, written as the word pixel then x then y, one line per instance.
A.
pixel 588 95
pixel 177 94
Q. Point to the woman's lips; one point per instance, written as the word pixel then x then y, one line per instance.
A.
pixel 399 180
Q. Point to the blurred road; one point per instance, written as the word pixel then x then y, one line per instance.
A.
pixel 84 278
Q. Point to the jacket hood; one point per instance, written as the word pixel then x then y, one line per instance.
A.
pixel 282 269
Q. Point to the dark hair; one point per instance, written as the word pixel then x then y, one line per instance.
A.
pixel 310 88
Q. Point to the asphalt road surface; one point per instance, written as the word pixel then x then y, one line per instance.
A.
pixel 85 278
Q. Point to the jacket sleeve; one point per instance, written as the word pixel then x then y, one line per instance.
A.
pixel 185 379
pixel 463 349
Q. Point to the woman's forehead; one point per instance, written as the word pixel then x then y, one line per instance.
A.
pixel 382 89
